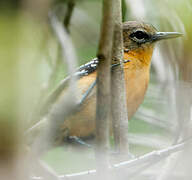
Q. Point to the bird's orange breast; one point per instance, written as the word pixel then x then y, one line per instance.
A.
pixel 136 72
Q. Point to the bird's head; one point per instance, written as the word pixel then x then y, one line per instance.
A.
pixel 140 38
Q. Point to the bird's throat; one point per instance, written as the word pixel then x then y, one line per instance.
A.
pixel 139 58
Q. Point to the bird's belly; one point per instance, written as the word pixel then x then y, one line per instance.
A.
pixel 82 123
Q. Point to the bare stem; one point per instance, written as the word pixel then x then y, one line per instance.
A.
pixel 103 85
pixel 59 110
pixel 119 105
pixel 70 8
pixel 147 159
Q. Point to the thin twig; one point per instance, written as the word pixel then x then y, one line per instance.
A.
pixel 149 158
pixel 155 121
pixel 103 86
pixel 53 95
pixel 58 111
pixel 43 107
pixel 42 169
pixel 70 8
pixel 184 128
pixel 119 105
pixel 68 50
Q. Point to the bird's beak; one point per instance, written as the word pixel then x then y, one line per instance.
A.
pixel 165 35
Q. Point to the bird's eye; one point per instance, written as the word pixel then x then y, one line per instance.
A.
pixel 139 36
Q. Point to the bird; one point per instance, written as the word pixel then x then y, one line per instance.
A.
pixel 139 40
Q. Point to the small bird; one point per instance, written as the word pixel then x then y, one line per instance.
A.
pixel 139 40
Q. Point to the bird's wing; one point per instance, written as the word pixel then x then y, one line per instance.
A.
pixel 82 71
pixel 88 68
pixel 51 99
pixel 85 70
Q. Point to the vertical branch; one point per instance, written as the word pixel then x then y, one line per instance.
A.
pixel 119 105
pixel 67 51
pixel 70 8
pixel 103 85
pixel 124 10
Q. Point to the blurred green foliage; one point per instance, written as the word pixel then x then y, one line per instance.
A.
pixel 9 4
